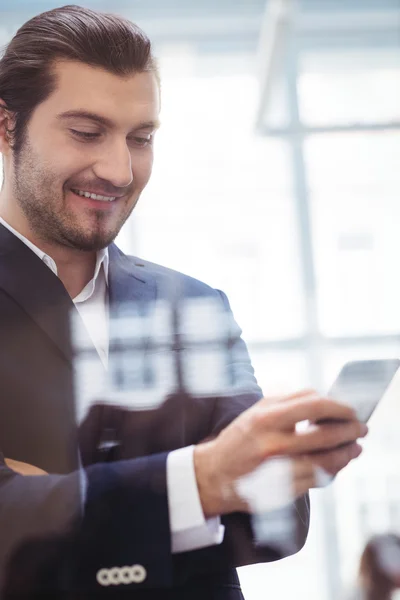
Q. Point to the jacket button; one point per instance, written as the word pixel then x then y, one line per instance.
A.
pixel 121 575
pixel 139 573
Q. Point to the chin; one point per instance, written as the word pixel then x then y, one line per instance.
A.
pixel 96 245
pixel 90 243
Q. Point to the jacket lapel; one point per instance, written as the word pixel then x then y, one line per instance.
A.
pixel 38 291
pixel 132 295
pixel 130 284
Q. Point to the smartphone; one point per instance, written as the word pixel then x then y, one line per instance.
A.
pixel 361 384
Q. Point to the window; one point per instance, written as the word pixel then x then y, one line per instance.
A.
pixel 357 85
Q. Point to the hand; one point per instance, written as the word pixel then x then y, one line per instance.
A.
pixel 23 468
pixel 268 430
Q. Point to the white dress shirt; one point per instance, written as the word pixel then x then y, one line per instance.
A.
pixel 189 528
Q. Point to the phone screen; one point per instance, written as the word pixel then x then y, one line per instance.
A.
pixel 361 384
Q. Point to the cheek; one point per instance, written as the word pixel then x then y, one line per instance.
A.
pixel 64 161
pixel 142 167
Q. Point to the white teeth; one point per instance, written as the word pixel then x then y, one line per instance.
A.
pixel 95 196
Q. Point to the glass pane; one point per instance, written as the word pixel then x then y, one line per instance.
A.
pixel 355 230
pixel 301 577
pixel 367 492
pixel 277 113
pixel 354 161
pixel 355 86
pixel 220 203
pixel 280 371
pixel 284 372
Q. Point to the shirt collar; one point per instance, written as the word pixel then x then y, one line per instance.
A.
pixel 102 257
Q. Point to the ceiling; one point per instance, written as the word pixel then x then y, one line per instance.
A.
pixel 226 23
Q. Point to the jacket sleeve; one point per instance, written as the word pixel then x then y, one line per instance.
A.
pixel 244 542
pixel 292 521
pixel 50 542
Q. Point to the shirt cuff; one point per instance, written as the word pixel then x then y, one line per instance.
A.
pixel 189 528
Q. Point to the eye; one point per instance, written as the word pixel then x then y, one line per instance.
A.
pixel 142 142
pixel 86 135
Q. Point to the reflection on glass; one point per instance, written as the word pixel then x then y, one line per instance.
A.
pixel 355 86
pixel 280 372
pixel 224 195
pixel 355 231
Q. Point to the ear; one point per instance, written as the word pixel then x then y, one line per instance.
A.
pixel 6 123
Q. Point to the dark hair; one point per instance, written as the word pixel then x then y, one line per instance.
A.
pixel 67 33
pixel 375 582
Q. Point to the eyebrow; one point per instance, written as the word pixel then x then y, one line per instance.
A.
pixel 100 120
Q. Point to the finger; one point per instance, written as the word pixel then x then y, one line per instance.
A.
pixel 316 477
pixel 335 461
pixel 327 437
pixel 307 474
pixel 275 483
pixel 322 477
pixel 311 408
pixel 286 398
pixel 304 476
pixel 307 393
pixel 303 486
pixel 302 467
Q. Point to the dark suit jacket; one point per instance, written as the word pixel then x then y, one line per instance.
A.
pixel 56 533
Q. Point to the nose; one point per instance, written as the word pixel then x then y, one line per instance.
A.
pixel 115 164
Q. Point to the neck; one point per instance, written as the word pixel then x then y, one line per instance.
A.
pixel 75 268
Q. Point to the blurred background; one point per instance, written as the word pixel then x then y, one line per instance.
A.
pixel 277 179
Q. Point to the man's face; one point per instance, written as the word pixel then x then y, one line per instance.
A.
pixel 67 154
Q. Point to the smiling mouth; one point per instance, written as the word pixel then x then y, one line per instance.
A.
pixel 98 197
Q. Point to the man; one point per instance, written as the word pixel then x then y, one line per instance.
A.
pixel 157 509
